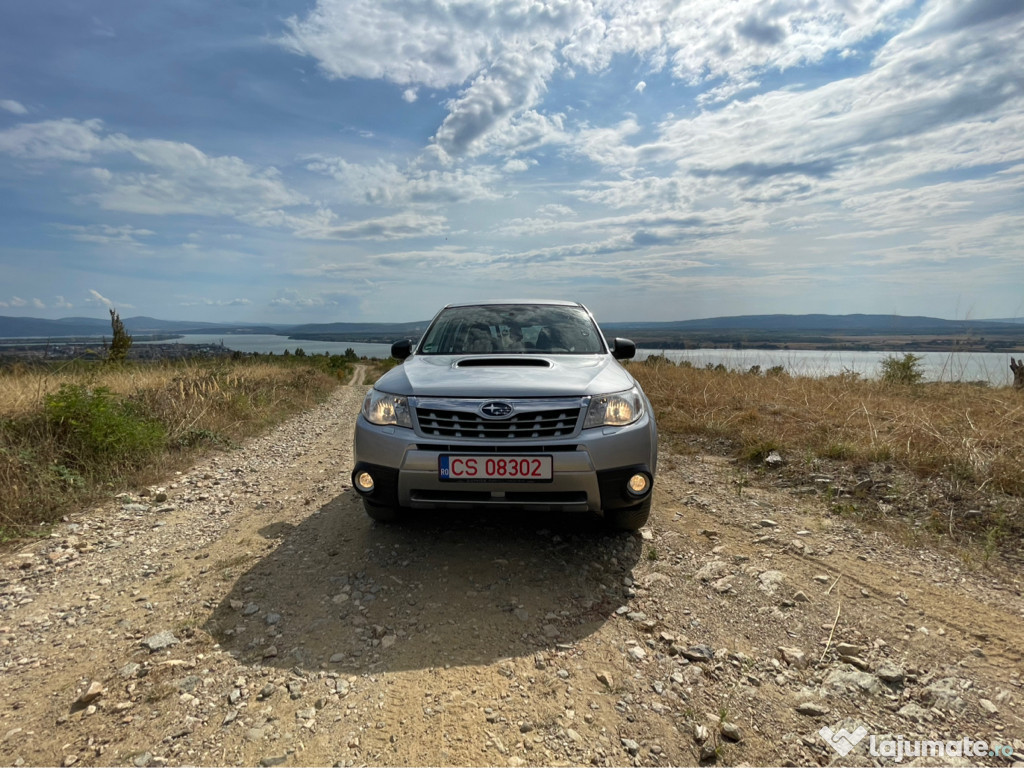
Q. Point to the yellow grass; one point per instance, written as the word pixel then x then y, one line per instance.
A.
pixel 959 431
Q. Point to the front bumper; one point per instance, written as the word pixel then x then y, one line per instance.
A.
pixel 589 470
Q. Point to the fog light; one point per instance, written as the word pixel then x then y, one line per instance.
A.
pixel 638 484
pixel 364 482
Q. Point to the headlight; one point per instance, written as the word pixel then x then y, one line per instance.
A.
pixel 382 408
pixel 615 410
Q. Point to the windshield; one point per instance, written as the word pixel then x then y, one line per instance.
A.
pixel 512 329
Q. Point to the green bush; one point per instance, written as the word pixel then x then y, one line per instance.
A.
pixel 905 370
pixel 96 430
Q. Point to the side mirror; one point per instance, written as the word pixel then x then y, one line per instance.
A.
pixel 401 349
pixel 623 349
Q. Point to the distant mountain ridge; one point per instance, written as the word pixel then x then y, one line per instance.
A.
pixel 849 324
pixel 856 324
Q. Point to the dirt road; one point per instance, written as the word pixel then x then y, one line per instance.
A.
pixel 256 616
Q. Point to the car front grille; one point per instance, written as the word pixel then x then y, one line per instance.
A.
pixel 467 425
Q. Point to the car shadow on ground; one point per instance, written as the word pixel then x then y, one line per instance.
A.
pixel 341 593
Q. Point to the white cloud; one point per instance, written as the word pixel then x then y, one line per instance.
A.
pixel 410 95
pixel 396 227
pixel 38 304
pixel 104 234
pixel 507 51
pixel 14 107
pixel 14 301
pixel 62 303
pixel 215 303
pixel 97 298
pixel 385 183
pixel 640 87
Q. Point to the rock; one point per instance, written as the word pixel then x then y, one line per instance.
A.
pixel 770 581
pixel 271 760
pixel 637 653
pixel 767 523
pixel 855 661
pixel 915 713
pixel 267 691
pixel 250 609
pixel 944 694
pixel 337 658
pixel 631 746
pixel 272 618
pixel 774 459
pixel 270 652
pixel 708 753
pixel 142 760
pixel 712 571
pixel 988 707
pixel 605 678
pixel 129 670
pixel 849 649
pixel 730 731
pixel 525 727
pixel 843 680
pixel 700 733
pixel 160 641
pixel 794 657
pixel 889 673
pixel 812 709
pixel 801 597
pixel 699 653
pixel 94 691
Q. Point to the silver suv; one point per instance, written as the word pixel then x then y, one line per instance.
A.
pixel 508 405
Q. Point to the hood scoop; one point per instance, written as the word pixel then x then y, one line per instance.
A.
pixel 503 362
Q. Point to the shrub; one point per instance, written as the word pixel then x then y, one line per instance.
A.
pixel 905 370
pixel 95 428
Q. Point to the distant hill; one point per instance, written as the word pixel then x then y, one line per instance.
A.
pixel 24 327
pixel 846 324
pixel 809 331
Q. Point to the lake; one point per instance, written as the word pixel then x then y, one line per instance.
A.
pixel 993 367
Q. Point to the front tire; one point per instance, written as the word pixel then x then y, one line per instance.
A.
pixel 629 519
pixel 381 513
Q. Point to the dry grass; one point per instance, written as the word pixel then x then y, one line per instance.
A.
pixel 113 427
pixel 966 439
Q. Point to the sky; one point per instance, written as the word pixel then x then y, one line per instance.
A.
pixel 349 160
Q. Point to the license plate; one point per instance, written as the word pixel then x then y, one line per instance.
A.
pixel 495 467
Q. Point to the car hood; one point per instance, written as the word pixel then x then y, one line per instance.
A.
pixel 506 376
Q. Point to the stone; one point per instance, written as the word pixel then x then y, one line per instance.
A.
pixel 605 678
pixel 272 760
pixel 160 641
pixel 637 653
pixel 988 707
pixel 770 581
pixel 794 657
pixel 889 673
pixel 699 653
pixel 812 709
pixel 700 733
pixel 944 694
pixel 93 692
pixel 631 746
pixel 843 680
pixel 272 618
pixel 712 571
pixel 730 731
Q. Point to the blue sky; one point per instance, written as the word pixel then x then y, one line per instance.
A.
pixel 345 160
